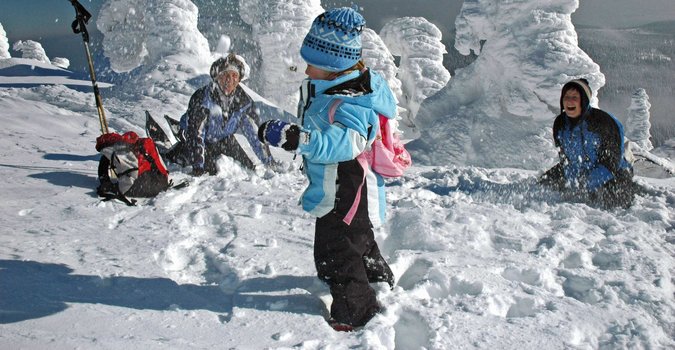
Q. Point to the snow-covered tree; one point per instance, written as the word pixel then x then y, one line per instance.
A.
pixel 498 111
pixel 637 124
pixel 162 36
pixel 61 62
pixel 378 58
pixel 31 50
pixel 279 28
pixel 418 43
pixel 4 44
pixel 221 17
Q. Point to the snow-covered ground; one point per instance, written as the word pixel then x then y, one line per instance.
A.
pixel 482 258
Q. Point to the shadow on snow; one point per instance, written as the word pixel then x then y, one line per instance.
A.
pixel 31 290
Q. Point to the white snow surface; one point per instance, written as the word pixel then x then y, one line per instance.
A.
pixel 508 97
pixel 482 258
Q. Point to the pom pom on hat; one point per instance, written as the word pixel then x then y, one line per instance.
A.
pixel 334 40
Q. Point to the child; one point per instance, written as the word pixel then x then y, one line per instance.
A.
pixel 346 198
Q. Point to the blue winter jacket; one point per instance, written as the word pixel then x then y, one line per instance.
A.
pixel 207 121
pixel 329 151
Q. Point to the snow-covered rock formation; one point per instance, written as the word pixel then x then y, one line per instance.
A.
pixel 506 100
pixel 160 36
pixel 279 28
pixel 421 71
pixel 4 44
pixel 31 50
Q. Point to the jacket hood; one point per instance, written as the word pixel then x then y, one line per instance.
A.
pixel 377 94
pixel 580 85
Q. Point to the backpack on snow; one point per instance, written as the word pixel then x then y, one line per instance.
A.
pixel 387 155
pixel 135 162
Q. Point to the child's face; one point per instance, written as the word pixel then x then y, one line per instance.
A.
pixel 318 74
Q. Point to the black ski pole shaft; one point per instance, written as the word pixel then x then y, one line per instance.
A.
pixel 82 16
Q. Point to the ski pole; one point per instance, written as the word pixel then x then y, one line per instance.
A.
pixel 82 16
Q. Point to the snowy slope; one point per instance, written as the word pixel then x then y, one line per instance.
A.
pixel 23 72
pixel 483 259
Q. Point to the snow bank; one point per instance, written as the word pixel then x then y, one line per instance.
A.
pixel 500 108
pixel 279 27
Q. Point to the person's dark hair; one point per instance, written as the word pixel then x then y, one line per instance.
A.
pixel 224 63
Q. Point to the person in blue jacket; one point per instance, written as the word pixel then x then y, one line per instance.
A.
pixel 591 149
pixel 215 112
pixel 346 198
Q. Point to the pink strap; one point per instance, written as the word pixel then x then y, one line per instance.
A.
pixel 333 108
pixel 361 159
pixel 352 211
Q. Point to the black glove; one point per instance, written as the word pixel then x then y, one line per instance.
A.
pixel 280 134
pixel 197 171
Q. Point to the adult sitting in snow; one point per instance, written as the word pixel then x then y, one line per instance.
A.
pixel 346 198
pixel 216 111
pixel 590 141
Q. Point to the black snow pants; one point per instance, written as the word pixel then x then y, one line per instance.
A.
pixel 230 147
pixel 347 258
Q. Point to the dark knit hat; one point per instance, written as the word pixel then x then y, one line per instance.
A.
pixel 334 40
pixel 581 85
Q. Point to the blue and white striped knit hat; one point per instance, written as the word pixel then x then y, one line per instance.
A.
pixel 334 40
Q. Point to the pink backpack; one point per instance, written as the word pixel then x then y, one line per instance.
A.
pixel 387 155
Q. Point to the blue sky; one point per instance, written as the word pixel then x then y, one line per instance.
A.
pixel 48 21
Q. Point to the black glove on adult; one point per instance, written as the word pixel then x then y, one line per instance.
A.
pixel 280 134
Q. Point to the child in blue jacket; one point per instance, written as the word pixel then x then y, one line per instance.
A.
pixel 346 198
